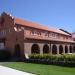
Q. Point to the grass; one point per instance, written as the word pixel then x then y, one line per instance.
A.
pixel 41 69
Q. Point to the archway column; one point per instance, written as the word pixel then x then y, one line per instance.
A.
pixel 27 48
pixel 68 48
pixel 63 49
pixel 57 49
pixel 73 48
pixel 51 48
pixel 41 48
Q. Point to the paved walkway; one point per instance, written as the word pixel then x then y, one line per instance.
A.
pixel 10 71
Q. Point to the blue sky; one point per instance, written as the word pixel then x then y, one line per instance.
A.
pixel 52 13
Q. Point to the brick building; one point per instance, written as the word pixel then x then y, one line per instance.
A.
pixel 22 37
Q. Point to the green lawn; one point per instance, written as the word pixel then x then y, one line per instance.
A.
pixel 40 69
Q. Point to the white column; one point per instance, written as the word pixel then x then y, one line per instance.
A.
pixel 51 48
pixel 72 49
pixel 41 48
pixel 63 49
pixel 27 48
pixel 68 48
pixel 57 49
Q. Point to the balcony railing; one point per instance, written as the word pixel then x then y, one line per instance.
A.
pixel 47 38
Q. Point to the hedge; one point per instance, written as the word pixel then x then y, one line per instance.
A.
pixel 66 59
pixel 4 55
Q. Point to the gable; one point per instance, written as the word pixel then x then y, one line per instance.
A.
pixel 6 21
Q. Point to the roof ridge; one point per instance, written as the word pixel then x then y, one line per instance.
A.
pixel 38 26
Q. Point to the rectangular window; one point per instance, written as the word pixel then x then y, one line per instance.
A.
pixel 47 34
pixel 1 45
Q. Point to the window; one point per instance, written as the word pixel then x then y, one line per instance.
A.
pixel 0 33
pixel 1 45
pixel 50 35
pixel 35 33
pixel 3 32
pixel 18 27
pixel 22 28
pixel 47 34
pixel 56 36
pixel 53 34
pixel 66 37
pixel 9 30
pixel 39 33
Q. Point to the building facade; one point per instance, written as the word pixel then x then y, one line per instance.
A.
pixel 22 37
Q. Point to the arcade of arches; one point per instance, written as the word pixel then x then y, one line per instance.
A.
pixel 45 49
pixel 35 49
pixel 53 49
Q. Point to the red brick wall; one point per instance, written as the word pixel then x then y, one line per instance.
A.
pixel 12 37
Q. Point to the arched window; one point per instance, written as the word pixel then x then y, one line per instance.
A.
pixel 35 49
pixel 54 49
pixel 66 49
pixel 46 49
pixel 60 49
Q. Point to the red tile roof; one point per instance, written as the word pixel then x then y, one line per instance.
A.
pixel 35 25
pixel 38 26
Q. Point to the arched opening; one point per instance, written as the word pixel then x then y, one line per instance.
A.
pixel 60 49
pixel 35 49
pixel 70 49
pixel 46 49
pixel 17 50
pixel 54 49
pixel 66 49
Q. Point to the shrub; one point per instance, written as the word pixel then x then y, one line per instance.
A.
pixel 4 55
pixel 68 59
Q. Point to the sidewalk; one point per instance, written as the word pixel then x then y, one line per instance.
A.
pixel 10 71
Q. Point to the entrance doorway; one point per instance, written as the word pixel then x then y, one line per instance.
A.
pixel 17 51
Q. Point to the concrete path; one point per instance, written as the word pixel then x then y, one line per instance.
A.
pixel 10 71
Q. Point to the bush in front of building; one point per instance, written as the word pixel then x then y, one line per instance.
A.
pixel 65 60
pixel 4 55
